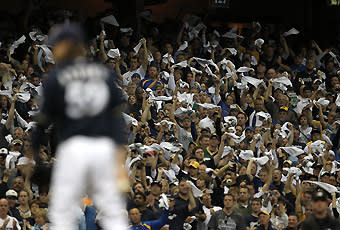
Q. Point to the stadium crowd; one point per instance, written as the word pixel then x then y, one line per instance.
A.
pixel 226 128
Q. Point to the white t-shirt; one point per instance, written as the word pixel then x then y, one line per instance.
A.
pixel 127 76
pixel 305 135
pixel 10 223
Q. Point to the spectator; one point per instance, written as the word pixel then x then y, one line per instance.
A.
pixel 252 219
pixel 264 221
pixel 12 197
pixel 7 221
pixel 136 223
pixel 243 207
pixel 226 218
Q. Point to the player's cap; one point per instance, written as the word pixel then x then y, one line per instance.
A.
pixel 67 31
pixel 3 151
pixel 11 193
pixel 264 212
pixel 319 195
pixel 194 164
pixel 17 142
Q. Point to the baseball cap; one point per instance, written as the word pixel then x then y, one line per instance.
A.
pixel 264 212
pixel 17 142
pixel 288 162
pixel 205 129
pixel 151 153
pixel 319 195
pixel 194 164
pixel 67 31
pixel 11 193
pixel 173 139
pixel 3 151
pixel 324 173
pixel 315 130
pixel 284 108
pixel 316 165
pixel 213 135
pixel 135 75
pixel 249 128
pixel 317 80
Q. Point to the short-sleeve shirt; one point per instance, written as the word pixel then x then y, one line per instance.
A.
pixel 184 137
pixel 127 76
pixel 251 221
pixel 80 97
pixel 220 221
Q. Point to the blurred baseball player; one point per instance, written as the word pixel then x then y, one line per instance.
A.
pixel 81 100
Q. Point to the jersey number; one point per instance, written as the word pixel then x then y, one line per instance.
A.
pixel 86 98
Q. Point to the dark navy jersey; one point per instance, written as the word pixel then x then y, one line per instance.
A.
pixel 81 98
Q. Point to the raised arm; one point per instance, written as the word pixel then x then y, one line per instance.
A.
pixel 117 68
pixel 268 92
pixel 143 174
pixel 35 55
pixel 145 61
pixel 192 203
pixel 11 113
pixel 298 207
pixel 102 52
pixel 291 137
pixel 316 46
pixel 269 178
pixel 322 119
pixel 180 35
pixel 284 44
pixel 217 157
pixel 146 112
pixel 288 189
pixel 154 161
pixel 248 172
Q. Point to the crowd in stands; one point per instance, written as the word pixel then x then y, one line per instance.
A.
pixel 225 128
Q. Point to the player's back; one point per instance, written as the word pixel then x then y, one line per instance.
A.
pixel 79 97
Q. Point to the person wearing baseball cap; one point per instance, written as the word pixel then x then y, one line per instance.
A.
pixel 264 221
pixel 12 196
pixel 193 171
pixel 320 219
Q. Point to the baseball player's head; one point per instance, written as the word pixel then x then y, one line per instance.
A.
pixel 67 41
